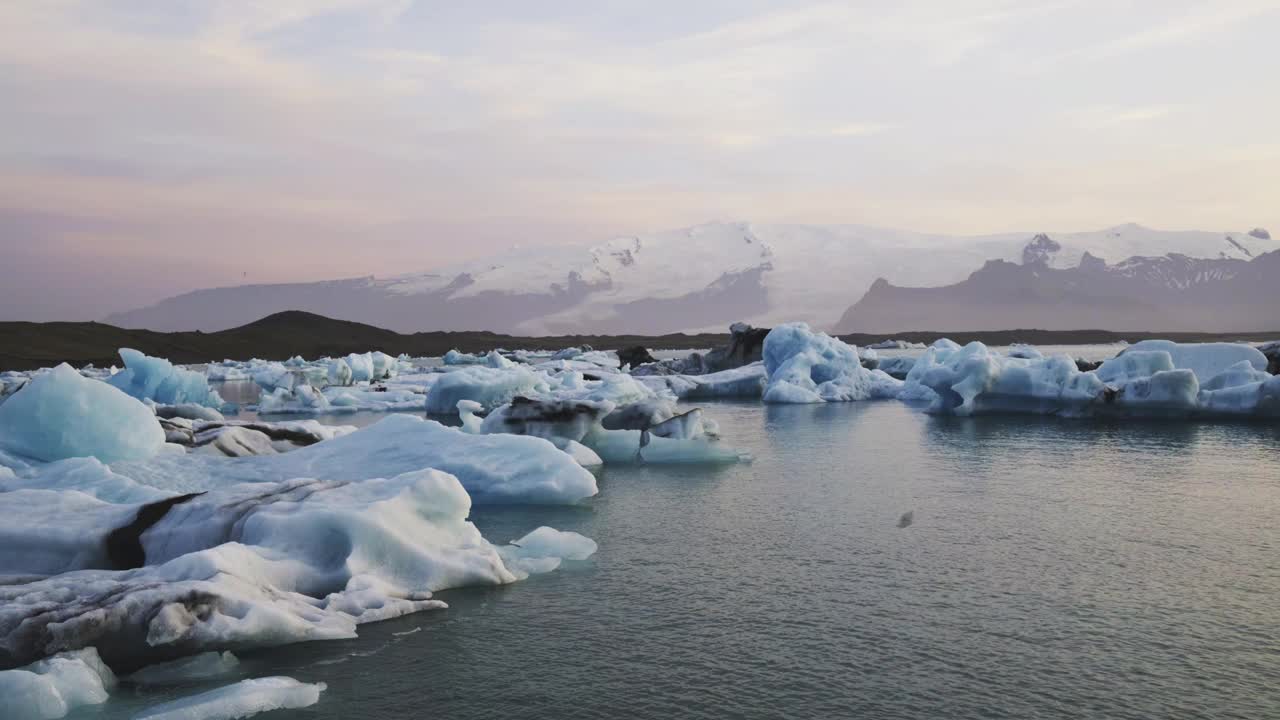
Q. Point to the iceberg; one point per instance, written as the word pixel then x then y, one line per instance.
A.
pixel 1145 380
pixel 746 382
pixel 152 378
pixel 55 686
pixel 1204 359
pixel 490 387
pixel 803 366
pixel 246 565
pixel 493 468
pixel 304 399
pixel 544 549
pixel 651 431
pixel 62 414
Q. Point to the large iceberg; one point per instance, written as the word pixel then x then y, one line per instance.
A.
pixel 493 468
pixel 152 378
pixel 1206 360
pixel 62 414
pixel 1159 379
pixel 803 366
pixel 248 565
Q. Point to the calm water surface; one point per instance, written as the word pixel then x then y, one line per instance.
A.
pixel 1054 569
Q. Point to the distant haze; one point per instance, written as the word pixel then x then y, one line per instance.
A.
pixel 152 148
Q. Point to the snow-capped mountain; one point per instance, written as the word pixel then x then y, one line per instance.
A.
pixel 691 279
pixel 1168 293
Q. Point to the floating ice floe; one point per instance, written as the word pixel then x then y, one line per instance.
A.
pixel 62 414
pixel 544 549
pixel 246 565
pixel 241 700
pixel 1151 378
pixel 746 382
pixel 803 366
pixel 493 468
pixel 617 418
pixel 304 399
pixel 52 687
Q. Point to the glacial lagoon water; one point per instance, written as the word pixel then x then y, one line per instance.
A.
pixel 1052 569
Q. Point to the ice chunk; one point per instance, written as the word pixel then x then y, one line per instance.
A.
pixel 453 357
pixel 384 366
pixel 1168 392
pixel 1204 359
pixel 488 386
pixel 1260 398
pixel 241 700
pixel 260 564
pixel 361 367
pixel 338 372
pixel 55 686
pixel 1241 373
pixel 1134 364
pixel 493 468
pixel 543 550
pixel 976 380
pixel 61 414
pixel 804 366
pixel 188 669
pixel 1139 382
pixel 152 378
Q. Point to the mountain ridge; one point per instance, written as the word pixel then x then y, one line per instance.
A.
pixel 1174 291
pixel 691 279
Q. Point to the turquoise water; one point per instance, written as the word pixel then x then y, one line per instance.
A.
pixel 1054 569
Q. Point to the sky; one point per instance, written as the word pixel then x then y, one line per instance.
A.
pixel 149 148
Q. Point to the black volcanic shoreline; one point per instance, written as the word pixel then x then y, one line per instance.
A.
pixel 26 345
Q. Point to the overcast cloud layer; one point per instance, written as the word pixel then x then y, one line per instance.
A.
pixel 147 148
